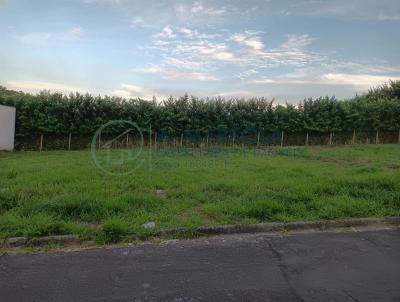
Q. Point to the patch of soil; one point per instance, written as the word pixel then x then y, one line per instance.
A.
pixel 161 193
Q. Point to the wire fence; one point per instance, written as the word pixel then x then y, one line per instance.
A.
pixel 256 139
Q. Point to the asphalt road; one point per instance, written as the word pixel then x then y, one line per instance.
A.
pixel 351 266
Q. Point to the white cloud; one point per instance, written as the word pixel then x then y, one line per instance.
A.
pixel 170 32
pixel 150 69
pixel 254 43
pixel 359 81
pixel 156 13
pixel 191 45
pixel 166 33
pixel 266 81
pixel 388 16
pixel 198 8
pixel 379 68
pixel 188 32
pixel 135 91
pixel 189 75
pixel 175 69
pixel 246 74
pixel 72 34
pixel 249 39
pixel 208 12
pixel 136 22
pixel 292 52
pixel 37 86
pixel 195 34
pixel 355 9
pixel 214 51
pixel 342 74
pixel 239 94
pixel 129 90
pixel 183 64
pixel 297 42
pixel 187 53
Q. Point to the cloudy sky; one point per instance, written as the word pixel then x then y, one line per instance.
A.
pixel 287 49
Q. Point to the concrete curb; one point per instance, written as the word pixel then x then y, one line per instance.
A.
pixel 290 226
pixel 299 226
pixel 40 241
pixel 65 240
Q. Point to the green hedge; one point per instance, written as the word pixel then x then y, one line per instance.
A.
pixel 59 115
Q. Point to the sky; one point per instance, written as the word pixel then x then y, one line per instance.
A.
pixel 281 49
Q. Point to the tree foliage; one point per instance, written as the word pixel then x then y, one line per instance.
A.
pixel 81 114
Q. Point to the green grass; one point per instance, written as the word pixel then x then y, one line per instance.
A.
pixel 64 192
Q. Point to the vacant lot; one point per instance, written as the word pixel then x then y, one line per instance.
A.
pixel 65 192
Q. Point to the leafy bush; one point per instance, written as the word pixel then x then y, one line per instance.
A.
pixel 55 114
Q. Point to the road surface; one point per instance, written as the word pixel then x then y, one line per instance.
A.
pixel 347 266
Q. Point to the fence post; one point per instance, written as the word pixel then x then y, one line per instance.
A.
pixel 377 137
pixel 69 141
pixel 354 136
pixel 398 139
pixel 330 138
pixel 282 138
pixel 41 143
pixel 150 137
pixel 233 139
pixel 100 140
pixel 127 140
pixel 258 138
pixel 307 139
pixel 181 142
pixel 155 140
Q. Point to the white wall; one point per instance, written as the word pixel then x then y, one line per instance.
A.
pixel 7 127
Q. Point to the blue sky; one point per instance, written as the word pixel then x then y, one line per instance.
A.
pixel 274 48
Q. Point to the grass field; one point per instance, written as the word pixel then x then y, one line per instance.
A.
pixel 65 192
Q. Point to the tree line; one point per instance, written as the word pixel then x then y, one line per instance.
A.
pixel 81 114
